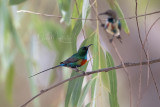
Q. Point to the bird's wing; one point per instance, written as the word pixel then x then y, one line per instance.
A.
pixel 70 60
pixel 119 25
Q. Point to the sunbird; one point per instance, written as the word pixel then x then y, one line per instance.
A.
pixel 76 60
pixel 112 25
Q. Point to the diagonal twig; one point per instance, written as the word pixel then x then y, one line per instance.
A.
pixel 145 51
pixel 91 19
pixel 89 73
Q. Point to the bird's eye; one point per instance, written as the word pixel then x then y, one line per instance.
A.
pixel 84 48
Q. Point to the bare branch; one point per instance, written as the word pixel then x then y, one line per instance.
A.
pixel 89 73
pixel 91 19
pixel 145 52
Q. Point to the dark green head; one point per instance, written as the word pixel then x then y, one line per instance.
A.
pixel 83 50
pixel 110 13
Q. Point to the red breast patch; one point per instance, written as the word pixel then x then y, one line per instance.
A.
pixel 107 25
pixel 83 62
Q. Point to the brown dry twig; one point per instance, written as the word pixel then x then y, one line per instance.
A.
pixel 92 19
pixel 89 73
pixel 155 84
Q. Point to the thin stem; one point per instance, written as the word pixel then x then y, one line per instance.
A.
pixel 91 19
pixel 140 73
pixel 145 51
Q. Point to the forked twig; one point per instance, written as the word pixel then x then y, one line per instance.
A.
pixel 145 51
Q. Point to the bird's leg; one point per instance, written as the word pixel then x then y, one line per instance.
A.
pixel 119 38
pixel 110 40
pixel 76 69
pixel 103 25
pixel 82 72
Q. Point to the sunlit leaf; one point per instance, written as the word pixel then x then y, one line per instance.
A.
pixel 9 83
pixel 16 37
pixel 88 105
pixel 74 89
pixel 115 6
pixel 84 10
pixel 65 9
pixel 99 62
pixel 31 67
pixel 113 99
pixel 77 10
pixel 78 85
pixel 84 92
pixel 69 90
pixel 94 67
pixel 15 2
pixel 76 30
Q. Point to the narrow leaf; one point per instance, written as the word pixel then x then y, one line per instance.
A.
pixel 70 90
pixel 113 99
pixel 76 30
pixel 9 83
pixel 78 86
pixel 65 9
pixel 84 10
pixel 88 105
pixel 84 92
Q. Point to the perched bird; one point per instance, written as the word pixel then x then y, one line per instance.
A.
pixel 76 60
pixel 112 25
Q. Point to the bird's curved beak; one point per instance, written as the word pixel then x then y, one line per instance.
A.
pixel 89 45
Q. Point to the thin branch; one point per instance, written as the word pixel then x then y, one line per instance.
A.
pixel 150 30
pixel 145 51
pixel 89 73
pixel 91 19
pixel 139 35
pixel 145 34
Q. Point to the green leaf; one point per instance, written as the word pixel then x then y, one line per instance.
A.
pixel 15 2
pixel 88 105
pixel 76 30
pixel 77 89
pixel 10 28
pixel 76 13
pixel 115 6
pixel 65 9
pixel 70 90
pixel 17 39
pixel 85 10
pixel 113 99
pixel 74 89
pixel 31 65
pixel 9 83
pixel 84 92
pixel 99 62
pixel 94 67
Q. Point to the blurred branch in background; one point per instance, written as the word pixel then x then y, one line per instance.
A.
pixel 91 19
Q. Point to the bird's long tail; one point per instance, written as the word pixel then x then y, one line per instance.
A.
pixel 45 70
